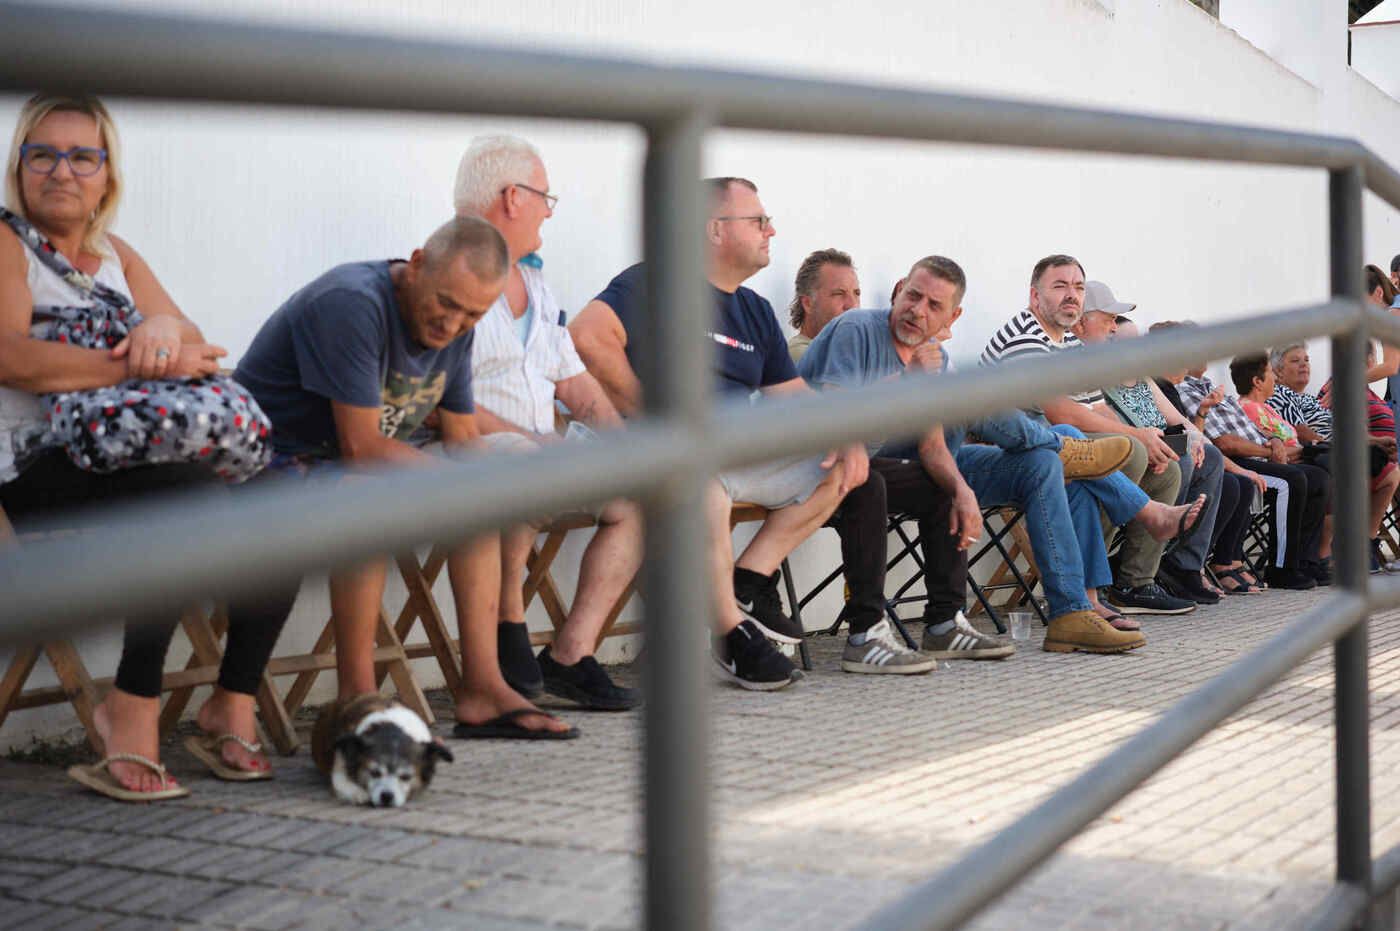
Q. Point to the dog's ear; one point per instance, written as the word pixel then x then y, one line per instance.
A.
pixel 439 750
pixel 350 746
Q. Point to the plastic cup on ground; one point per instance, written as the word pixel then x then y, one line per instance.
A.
pixel 1020 624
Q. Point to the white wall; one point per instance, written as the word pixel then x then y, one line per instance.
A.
pixel 236 207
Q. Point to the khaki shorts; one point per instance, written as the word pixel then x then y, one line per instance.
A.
pixel 775 484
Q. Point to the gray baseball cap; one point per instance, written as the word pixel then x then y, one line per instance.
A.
pixel 1098 297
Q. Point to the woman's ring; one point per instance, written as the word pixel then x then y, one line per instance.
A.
pixel 162 353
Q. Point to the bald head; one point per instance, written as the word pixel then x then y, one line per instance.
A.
pixel 471 239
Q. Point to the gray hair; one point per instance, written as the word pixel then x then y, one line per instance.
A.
pixel 489 165
pixel 1278 352
pixel 477 241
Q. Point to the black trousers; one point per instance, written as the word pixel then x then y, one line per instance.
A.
pixel 54 493
pixel 898 486
pixel 1309 495
pixel 1232 520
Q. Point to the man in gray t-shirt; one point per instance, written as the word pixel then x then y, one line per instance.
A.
pixel 867 346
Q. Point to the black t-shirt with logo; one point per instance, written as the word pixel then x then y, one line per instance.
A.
pixel 750 351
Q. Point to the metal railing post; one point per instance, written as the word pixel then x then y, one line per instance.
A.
pixel 1350 507
pixel 676 376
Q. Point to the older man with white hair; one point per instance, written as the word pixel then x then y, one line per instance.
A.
pixel 522 361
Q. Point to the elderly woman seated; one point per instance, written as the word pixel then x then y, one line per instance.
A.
pixel 1310 417
pixel 61 268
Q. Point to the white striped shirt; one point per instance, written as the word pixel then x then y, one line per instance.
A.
pixel 1023 336
pixel 514 380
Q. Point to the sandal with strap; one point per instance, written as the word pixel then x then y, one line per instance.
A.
pixel 98 777
pixel 1242 585
pixel 208 749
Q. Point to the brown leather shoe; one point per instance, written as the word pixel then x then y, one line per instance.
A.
pixel 1085 630
pixel 1093 458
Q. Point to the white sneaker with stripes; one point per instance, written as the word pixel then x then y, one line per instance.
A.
pixel 882 653
pixel 964 642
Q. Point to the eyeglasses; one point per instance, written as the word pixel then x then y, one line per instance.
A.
pixel 763 221
pixel 550 200
pixel 44 159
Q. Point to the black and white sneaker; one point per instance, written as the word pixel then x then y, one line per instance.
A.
pixel 745 657
pixel 1148 599
pixel 758 598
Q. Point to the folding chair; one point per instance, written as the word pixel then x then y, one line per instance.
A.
pixel 1010 519
pixel 78 687
pixel 422 607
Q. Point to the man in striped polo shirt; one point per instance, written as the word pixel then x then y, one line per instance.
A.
pixel 522 360
pixel 1055 309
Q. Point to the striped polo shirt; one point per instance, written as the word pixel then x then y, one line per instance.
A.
pixel 513 379
pixel 1023 337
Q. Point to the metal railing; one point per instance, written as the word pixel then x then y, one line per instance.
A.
pixel 205 546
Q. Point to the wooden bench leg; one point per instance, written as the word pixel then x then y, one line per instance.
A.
pixel 616 611
pixel 204 642
pixel 421 605
pixel 77 685
pixel 410 693
pixel 21 665
pixel 301 686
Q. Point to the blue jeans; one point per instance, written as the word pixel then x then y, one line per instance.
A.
pixel 1034 481
pixel 1011 431
pixel 1118 495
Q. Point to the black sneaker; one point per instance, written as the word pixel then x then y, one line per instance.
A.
pixel 586 683
pixel 759 599
pixel 517 658
pixel 1187 585
pixel 1293 579
pixel 1377 560
pixel 1148 599
pixel 745 657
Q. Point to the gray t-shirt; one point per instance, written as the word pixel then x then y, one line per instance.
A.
pixel 854 350
pixel 342 338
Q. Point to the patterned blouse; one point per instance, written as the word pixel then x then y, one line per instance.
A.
pixel 1138 403
pixel 1299 408
pixel 1269 422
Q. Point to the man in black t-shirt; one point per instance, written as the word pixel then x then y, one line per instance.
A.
pixel 750 355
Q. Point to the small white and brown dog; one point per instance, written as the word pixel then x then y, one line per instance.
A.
pixel 375 751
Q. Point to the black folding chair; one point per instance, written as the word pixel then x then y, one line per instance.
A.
pixel 909 549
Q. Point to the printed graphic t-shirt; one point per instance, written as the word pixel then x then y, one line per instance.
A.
pixel 342 338
pixel 750 351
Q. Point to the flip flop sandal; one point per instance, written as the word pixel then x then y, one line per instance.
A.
pixel 209 751
pixel 98 777
pixel 1181 527
pixel 1119 622
pixel 1246 587
pixel 508 727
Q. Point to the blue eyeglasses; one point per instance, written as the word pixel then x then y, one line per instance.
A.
pixel 44 159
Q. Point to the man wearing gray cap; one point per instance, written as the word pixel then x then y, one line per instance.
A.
pixel 1141 404
pixel 1136 590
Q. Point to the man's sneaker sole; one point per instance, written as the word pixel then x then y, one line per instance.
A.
pixel 751 685
pixel 918 668
pixel 770 633
pixel 586 700
pixel 1000 651
pixel 1067 646
pixel 1139 609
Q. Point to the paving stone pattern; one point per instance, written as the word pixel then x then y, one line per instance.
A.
pixel 830 799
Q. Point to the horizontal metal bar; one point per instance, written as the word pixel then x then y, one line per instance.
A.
pixel 146 55
pixel 1339 909
pixel 208 545
pixel 958 892
pixel 1382 324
